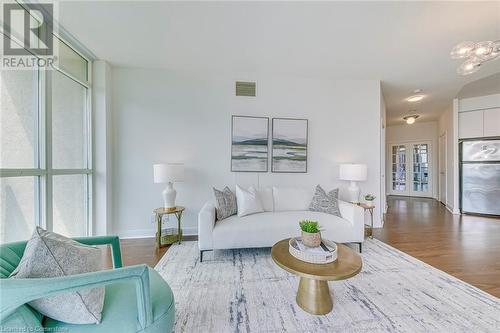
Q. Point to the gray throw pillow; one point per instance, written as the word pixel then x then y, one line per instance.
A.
pixel 47 255
pixel 325 203
pixel 225 203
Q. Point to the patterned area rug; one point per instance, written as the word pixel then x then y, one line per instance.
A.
pixel 245 291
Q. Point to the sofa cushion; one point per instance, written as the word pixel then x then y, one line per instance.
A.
pixel 265 229
pixel 248 201
pixel 120 309
pixel 266 198
pixel 48 254
pixel 291 198
pixel 325 202
pixel 225 203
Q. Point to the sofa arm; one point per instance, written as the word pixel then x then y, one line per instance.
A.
pixel 206 223
pixel 356 215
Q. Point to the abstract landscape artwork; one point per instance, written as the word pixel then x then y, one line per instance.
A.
pixel 249 148
pixel 289 152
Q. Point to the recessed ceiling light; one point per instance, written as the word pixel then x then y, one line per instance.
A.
pixel 410 119
pixel 415 98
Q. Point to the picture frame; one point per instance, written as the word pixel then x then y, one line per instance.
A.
pixel 289 151
pixel 249 144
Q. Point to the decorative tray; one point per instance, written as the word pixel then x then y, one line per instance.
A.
pixel 313 255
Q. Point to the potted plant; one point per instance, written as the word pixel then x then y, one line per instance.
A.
pixel 311 235
pixel 369 199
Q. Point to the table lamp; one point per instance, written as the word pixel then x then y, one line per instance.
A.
pixel 168 174
pixel 353 173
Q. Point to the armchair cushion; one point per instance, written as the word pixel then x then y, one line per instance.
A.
pixel 25 317
pixel 48 254
pixel 120 309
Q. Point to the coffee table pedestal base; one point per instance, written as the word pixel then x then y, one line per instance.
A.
pixel 314 297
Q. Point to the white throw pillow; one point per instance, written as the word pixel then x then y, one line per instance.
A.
pixel 291 198
pixel 266 198
pixel 248 201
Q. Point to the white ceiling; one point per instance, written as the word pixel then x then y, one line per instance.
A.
pixel 404 44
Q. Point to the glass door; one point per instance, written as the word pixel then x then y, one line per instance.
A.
pixel 398 173
pixel 421 175
pixel 410 169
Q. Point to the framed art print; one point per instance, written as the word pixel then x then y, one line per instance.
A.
pixel 289 150
pixel 249 144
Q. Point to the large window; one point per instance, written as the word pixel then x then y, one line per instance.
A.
pixel 45 148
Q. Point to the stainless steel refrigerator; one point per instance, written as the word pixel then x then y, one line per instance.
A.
pixel 480 177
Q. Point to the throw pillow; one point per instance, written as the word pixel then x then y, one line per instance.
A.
pixel 47 255
pixel 325 203
pixel 248 201
pixel 225 203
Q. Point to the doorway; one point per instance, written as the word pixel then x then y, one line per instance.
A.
pixel 411 169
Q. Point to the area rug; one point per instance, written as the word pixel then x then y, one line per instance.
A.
pixel 245 291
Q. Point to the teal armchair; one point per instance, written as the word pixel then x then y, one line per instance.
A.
pixel 137 299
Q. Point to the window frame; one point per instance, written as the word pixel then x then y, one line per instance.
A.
pixel 43 172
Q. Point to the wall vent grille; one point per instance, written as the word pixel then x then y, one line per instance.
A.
pixel 245 88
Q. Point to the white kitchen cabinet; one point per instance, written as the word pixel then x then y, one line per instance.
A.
pixel 491 119
pixel 471 124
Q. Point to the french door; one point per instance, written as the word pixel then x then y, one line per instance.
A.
pixel 411 169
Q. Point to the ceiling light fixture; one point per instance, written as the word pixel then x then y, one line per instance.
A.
pixel 475 54
pixel 410 119
pixel 417 97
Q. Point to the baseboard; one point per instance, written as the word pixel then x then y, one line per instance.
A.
pixel 453 211
pixel 150 233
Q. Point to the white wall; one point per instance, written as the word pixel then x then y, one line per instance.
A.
pixel 425 131
pixel 166 116
pixel 102 126
pixel 445 125
pixel 383 153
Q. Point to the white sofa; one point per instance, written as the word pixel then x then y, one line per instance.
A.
pixel 283 211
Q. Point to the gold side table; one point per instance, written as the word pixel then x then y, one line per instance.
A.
pixel 370 209
pixel 314 294
pixel 170 239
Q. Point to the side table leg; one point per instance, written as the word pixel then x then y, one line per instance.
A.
pixel 179 232
pixel 158 232
pixel 313 296
pixel 371 226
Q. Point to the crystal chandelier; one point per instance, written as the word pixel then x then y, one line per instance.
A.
pixel 475 54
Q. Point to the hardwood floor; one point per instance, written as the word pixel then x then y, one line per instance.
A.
pixel 467 247
pixel 138 251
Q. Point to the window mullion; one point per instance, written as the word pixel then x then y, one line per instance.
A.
pixel 90 155
pixel 40 150
pixel 48 200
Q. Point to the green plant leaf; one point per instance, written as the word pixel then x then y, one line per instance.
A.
pixel 309 226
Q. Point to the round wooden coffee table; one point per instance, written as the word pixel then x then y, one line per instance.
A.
pixel 313 294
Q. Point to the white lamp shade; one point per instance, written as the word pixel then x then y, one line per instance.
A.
pixel 353 172
pixel 170 172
